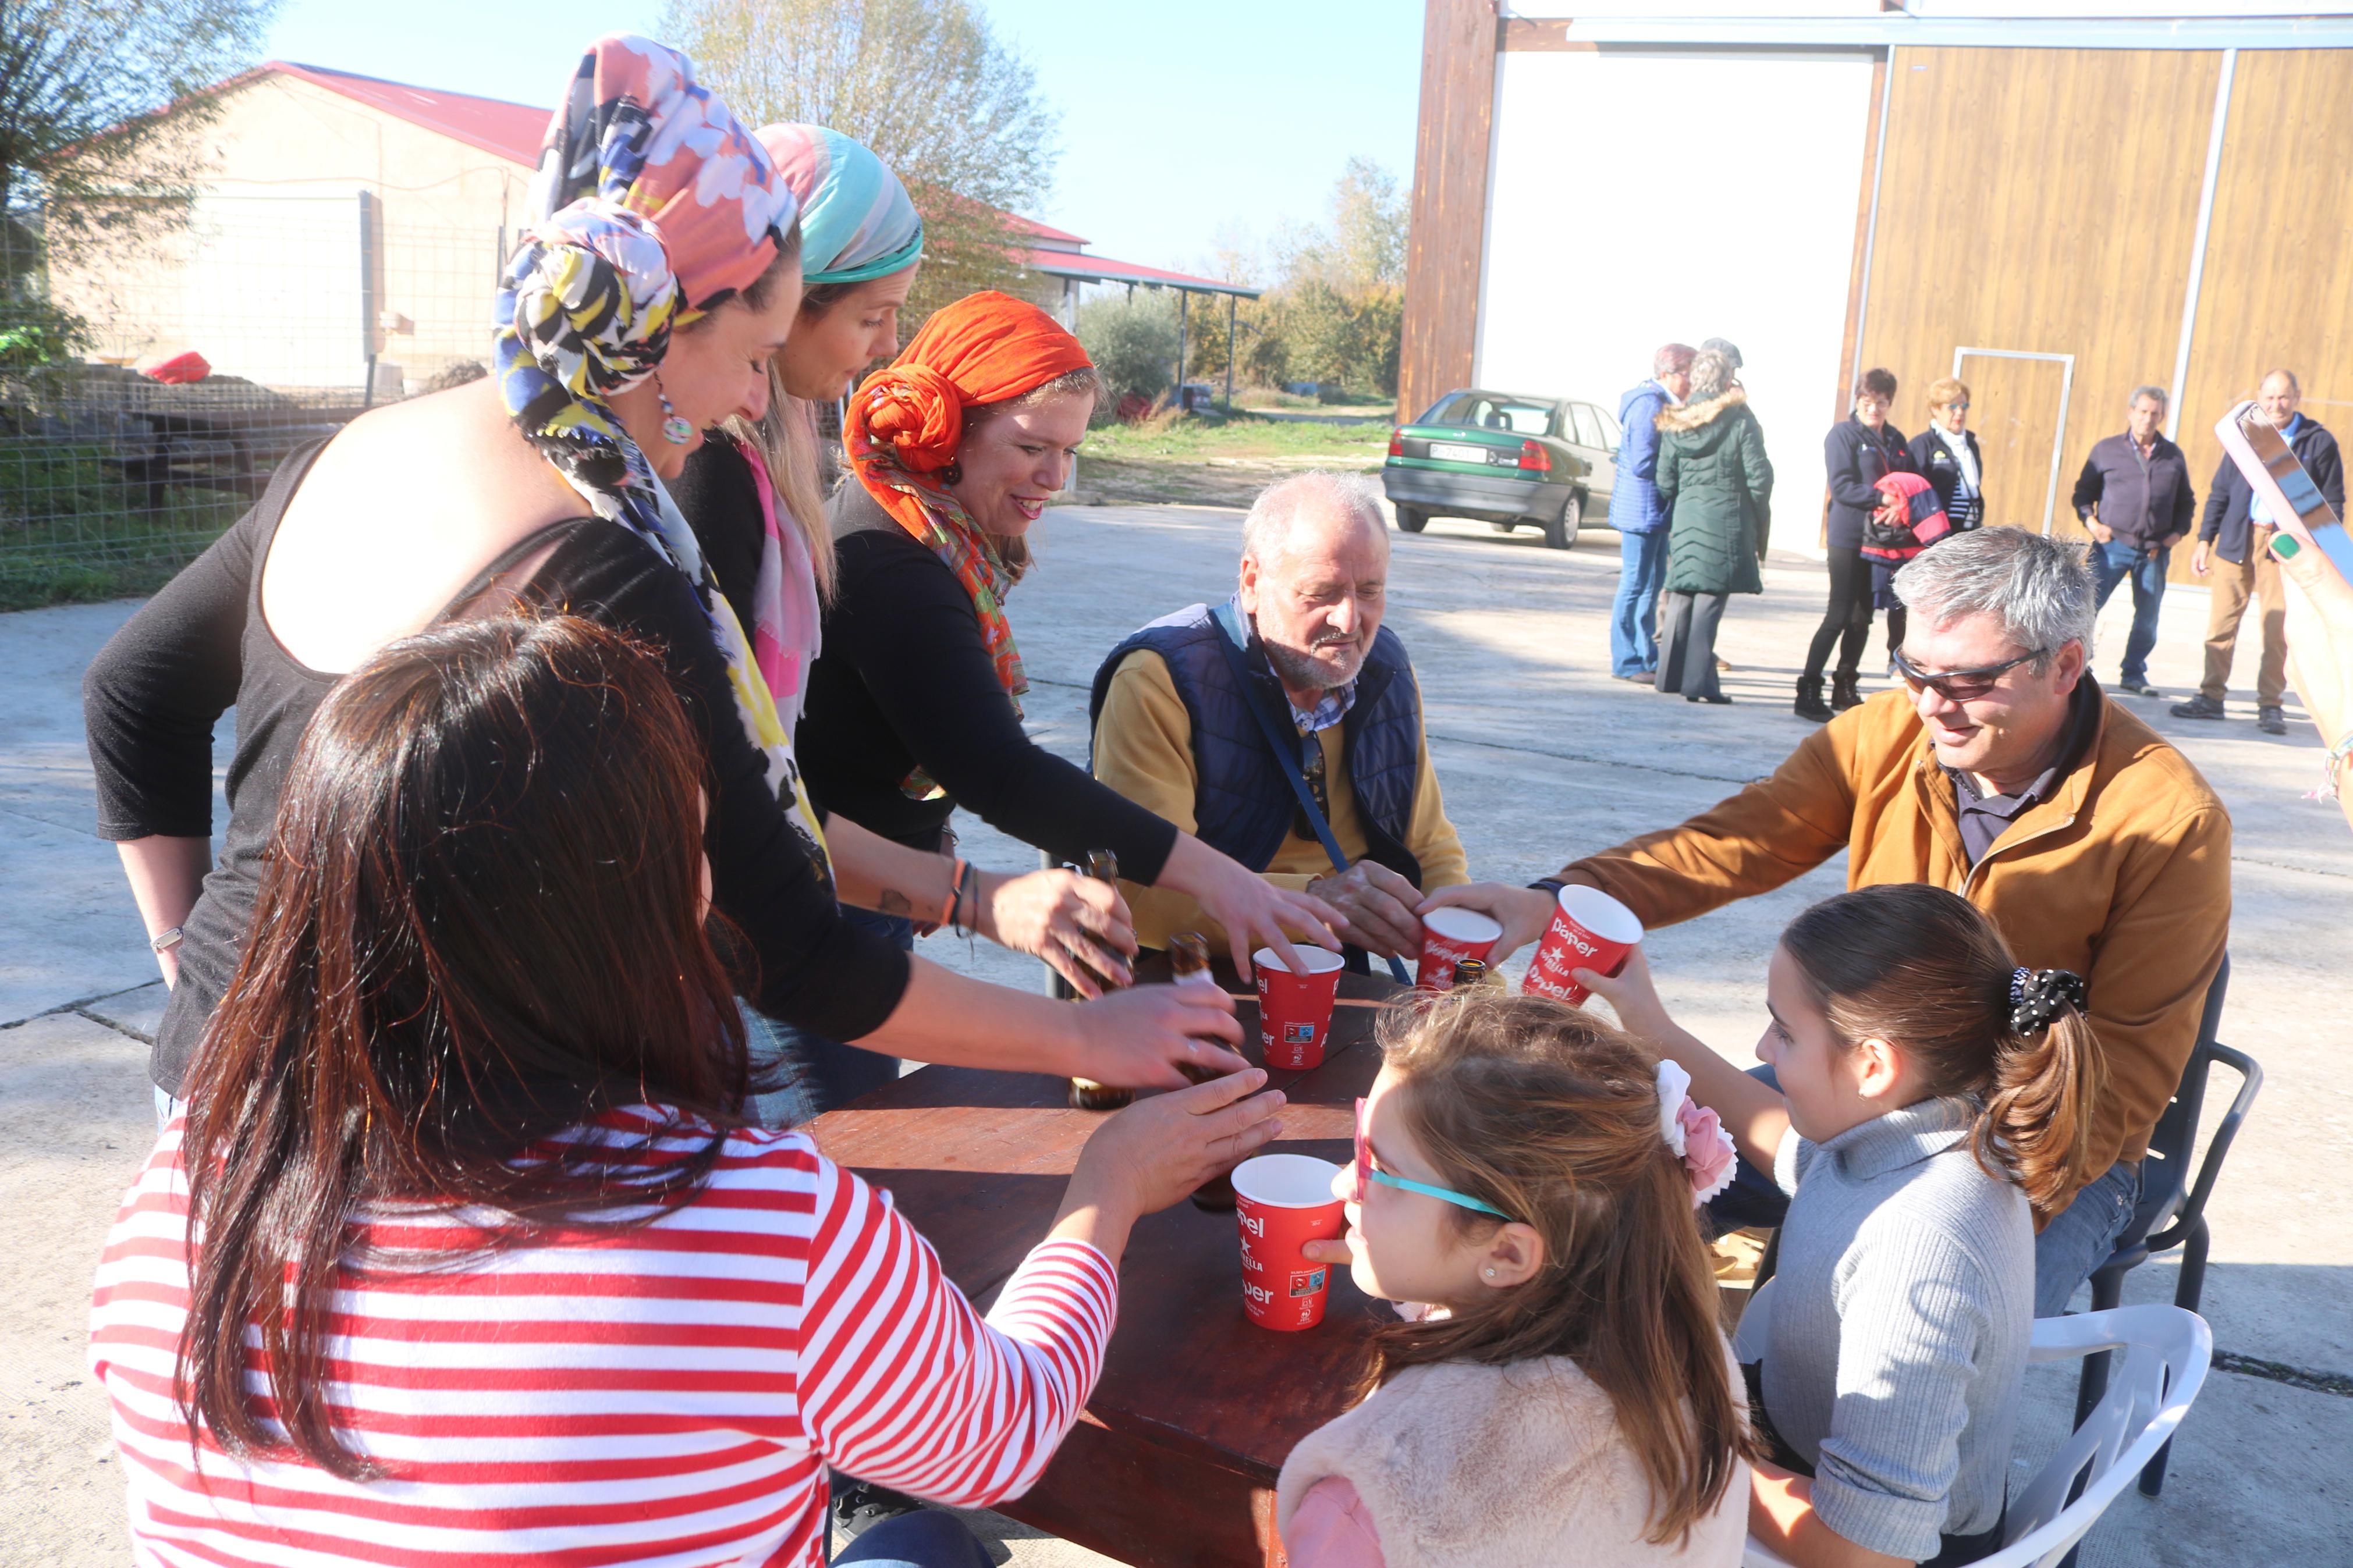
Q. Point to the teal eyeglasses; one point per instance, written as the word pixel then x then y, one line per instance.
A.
pixel 1364 1173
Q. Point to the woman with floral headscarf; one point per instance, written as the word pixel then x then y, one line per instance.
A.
pixel 915 708
pixel 657 275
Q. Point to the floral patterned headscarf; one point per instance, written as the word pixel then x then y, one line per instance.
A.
pixel 651 206
pixel 906 425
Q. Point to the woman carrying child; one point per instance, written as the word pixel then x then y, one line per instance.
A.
pixel 1932 1104
pixel 1566 1394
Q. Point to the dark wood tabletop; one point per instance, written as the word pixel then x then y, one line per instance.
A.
pixel 1174 1463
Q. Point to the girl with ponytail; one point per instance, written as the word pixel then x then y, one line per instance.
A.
pixel 1563 1395
pixel 1929 1111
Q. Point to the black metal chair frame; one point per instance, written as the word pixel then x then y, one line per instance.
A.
pixel 2172 1211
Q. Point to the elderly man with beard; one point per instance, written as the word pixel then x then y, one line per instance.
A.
pixel 1302 643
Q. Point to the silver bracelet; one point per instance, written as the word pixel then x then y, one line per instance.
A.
pixel 165 940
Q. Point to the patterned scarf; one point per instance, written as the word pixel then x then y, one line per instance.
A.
pixel 906 425
pixel 858 222
pixel 651 206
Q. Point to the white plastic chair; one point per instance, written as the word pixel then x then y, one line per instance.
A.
pixel 2164 1352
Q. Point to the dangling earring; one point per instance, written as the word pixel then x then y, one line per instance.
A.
pixel 675 429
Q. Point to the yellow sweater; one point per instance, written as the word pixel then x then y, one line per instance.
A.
pixel 1144 749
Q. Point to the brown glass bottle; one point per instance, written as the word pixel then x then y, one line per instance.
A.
pixel 1188 964
pixel 1469 972
pixel 1101 866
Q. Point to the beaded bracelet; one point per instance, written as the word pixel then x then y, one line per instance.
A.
pixel 2331 766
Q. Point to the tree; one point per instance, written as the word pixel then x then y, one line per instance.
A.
pixel 83 154
pixel 1133 340
pixel 1336 311
pixel 924 83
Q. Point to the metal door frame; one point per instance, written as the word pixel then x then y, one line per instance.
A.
pixel 2059 438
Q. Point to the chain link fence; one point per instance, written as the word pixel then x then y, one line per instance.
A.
pixel 150 385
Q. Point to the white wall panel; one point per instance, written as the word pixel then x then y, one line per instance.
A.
pixel 1637 198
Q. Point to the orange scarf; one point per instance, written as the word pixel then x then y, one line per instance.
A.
pixel 906 425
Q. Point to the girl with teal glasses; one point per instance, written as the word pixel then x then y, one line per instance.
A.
pixel 1524 1188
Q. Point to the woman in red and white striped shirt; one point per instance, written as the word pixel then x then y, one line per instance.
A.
pixel 465 1253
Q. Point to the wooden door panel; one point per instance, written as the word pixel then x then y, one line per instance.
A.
pixel 2014 407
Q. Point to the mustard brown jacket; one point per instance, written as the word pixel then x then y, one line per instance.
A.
pixel 2124 876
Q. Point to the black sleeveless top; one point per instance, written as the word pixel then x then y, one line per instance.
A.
pixel 150 697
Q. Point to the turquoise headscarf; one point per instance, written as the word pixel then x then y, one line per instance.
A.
pixel 857 220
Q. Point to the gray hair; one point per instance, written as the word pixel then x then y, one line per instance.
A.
pixel 2164 399
pixel 1711 372
pixel 2039 587
pixel 2281 371
pixel 1276 511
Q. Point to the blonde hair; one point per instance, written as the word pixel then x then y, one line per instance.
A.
pixel 785 438
pixel 1947 390
pixel 1553 1117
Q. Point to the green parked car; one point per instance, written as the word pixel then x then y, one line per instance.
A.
pixel 1505 460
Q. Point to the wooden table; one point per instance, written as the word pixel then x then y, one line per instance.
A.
pixel 1172 1464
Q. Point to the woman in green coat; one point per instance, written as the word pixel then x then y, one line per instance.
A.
pixel 1717 486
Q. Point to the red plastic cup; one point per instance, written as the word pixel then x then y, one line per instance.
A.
pixel 1285 1202
pixel 1294 1011
pixel 1450 935
pixel 1589 929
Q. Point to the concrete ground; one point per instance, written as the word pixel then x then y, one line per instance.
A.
pixel 1542 757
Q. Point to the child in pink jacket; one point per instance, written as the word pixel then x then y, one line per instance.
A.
pixel 1564 1397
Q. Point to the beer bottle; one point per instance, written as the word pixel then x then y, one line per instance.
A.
pixel 1188 963
pixel 1102 866
pixel 1469 972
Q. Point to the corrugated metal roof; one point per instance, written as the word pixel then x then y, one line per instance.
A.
pixel 1103 269
pixel 512 131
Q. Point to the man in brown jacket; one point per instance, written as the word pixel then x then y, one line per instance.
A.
pixel 2005 775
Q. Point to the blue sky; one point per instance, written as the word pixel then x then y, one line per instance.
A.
pixel 1179 124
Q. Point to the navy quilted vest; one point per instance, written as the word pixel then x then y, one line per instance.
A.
pixel 1242 804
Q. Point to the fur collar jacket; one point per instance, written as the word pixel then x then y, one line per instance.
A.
pixel 1692 415
pixel 1521 1465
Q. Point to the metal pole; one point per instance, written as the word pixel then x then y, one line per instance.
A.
pixel 367 296
pixel 1232 300
pixel 1183 300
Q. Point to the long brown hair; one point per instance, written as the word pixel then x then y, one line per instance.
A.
pixel 1926 971
pixel 1553 1117
pixel 480 924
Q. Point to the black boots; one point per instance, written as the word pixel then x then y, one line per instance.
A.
pixel 1810 703
pixel 1843 695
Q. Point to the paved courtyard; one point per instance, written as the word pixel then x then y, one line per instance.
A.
pixel 1542 757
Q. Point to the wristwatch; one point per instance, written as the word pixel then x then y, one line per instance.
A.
pixel 1552 885
pixel 165 941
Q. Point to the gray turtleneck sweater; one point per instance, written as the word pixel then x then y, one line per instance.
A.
pixel 1895 1330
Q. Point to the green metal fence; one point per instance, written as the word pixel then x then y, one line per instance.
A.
pixel 308 312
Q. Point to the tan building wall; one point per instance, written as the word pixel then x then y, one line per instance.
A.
pixel 279 273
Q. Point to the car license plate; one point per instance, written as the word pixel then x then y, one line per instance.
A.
pixel 1450 452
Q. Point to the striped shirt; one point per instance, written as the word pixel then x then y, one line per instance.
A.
pixel 667 1393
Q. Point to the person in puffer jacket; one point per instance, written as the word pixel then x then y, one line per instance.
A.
pixel 1641 522
pixel 1715 481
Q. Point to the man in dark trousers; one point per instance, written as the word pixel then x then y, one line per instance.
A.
pixel 2237 529
pixel 2134 500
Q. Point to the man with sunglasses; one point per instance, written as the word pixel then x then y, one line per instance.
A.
pixel 1997 769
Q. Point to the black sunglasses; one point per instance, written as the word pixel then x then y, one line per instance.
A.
pixel 1960 684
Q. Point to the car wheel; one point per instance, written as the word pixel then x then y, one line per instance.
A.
pixel 1410 521
pixel 1504 527
pixel 1560 532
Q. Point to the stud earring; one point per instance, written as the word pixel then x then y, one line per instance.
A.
pixel 674 427
pixel 1489 1272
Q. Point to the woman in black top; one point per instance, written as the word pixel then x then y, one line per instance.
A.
pixel 913 707
pixel 540 482
pixel 1859 452
pixel 1946 455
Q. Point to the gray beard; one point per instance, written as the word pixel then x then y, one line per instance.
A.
pixel 1300 671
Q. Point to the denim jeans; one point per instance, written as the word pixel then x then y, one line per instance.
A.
pixel 2078 1239
pixel 1633 614
pixel 2111 563
pixel 924 1539
pixel 817 1074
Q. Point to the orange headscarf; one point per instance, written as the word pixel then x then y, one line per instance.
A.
pixel 906 425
